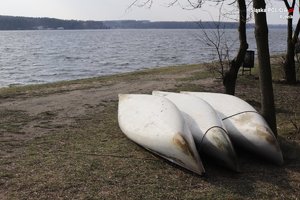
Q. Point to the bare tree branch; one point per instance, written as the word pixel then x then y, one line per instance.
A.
pixel 137 3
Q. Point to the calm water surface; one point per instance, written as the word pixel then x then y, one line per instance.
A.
pixel 30 57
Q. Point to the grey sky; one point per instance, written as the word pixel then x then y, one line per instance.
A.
pixel 117 10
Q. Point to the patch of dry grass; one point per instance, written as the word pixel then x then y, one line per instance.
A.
pixel 92 159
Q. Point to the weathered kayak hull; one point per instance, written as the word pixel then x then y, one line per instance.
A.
pixel 156 124
pixel 217 145
pixel 206 127
pixel 245 126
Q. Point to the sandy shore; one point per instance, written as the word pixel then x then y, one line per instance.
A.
pixel 74 99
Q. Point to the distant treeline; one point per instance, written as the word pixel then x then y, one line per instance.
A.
pixel 31 23
pixel 133 24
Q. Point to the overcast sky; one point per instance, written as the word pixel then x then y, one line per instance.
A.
pixel 118 10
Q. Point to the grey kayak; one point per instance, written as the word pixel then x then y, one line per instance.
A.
pixel 245 126
pixel 156 124
pixel 206 127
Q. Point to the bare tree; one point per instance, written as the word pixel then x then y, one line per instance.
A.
pixel 230 77
pixel 292 38
pixel 265 74
pixel 216 39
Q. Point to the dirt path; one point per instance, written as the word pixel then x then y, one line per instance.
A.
pixel 35 115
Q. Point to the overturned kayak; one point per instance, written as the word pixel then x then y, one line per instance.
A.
pixel 156 124
pixel 245 126
pixel 206 127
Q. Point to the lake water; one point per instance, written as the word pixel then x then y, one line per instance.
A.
pixel 31 57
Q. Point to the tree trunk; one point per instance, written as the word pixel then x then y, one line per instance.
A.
pixel 289 64
pixel 265 74
pixel 296 32
pixel 230 77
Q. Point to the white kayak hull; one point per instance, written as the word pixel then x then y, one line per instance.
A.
pixel 206 127
pixel 156 124
pixel 245 126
